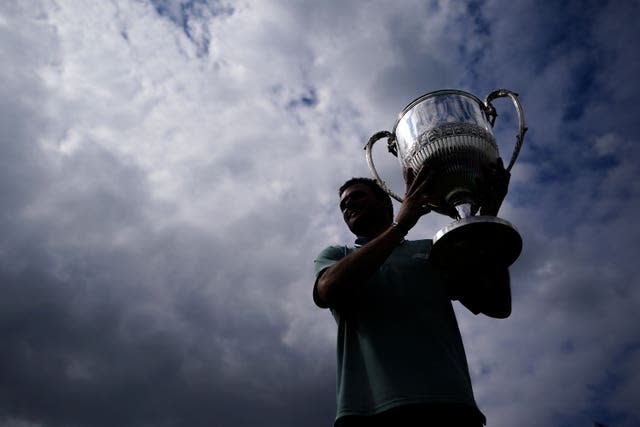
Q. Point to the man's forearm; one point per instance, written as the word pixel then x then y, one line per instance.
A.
pixel 339 282
pixel 497 294
pixel 489 293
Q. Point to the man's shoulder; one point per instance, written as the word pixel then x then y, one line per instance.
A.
pixel 334 252
pixel 327 257
pixel 421 244
pixel 421 241
pixel 412 249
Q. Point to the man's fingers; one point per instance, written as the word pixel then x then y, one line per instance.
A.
pixel 422 181
pixel 408 177
pixel 424 171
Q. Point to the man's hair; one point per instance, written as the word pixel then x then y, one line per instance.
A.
pixel 374 186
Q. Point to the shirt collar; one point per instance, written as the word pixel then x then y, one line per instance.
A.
pixel 361 241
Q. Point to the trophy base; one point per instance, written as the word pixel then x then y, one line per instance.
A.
pixel 476 240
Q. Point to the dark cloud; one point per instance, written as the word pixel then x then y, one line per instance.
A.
pixel 133 335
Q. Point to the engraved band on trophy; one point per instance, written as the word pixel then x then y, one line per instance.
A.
pixel 450 131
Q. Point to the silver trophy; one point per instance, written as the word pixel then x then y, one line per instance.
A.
pixel 449 131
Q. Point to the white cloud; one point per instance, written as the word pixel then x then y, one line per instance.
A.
pixel 168 178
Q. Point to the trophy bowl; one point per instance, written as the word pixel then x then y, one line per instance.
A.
pixel 450 132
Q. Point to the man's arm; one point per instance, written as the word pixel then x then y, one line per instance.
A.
pixel 337 284
pixel 495 188
pixel 487 291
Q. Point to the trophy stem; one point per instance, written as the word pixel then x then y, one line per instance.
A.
pixel 465 210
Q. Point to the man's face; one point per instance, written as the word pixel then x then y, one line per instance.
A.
pixel 361 210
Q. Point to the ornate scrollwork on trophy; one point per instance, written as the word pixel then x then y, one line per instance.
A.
pixel 459 151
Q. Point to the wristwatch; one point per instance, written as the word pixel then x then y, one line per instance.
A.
pixel 400 227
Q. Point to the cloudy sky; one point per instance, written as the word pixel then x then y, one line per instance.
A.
pixel 169 172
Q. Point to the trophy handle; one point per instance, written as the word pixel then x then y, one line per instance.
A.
pixel 393 149
pixel 492 114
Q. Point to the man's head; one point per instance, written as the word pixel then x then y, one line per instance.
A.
pixel 365 206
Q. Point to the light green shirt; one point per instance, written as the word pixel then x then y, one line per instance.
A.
pixel 399 343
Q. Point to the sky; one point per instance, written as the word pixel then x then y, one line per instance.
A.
pixel 169 171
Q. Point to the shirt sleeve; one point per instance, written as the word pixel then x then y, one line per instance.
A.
pixel 324 260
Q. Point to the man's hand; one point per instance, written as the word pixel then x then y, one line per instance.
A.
pixel 418 198
pixel 494 187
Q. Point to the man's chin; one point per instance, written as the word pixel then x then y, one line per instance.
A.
pixel 359 226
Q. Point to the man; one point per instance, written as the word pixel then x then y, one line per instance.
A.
pixel 401 360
